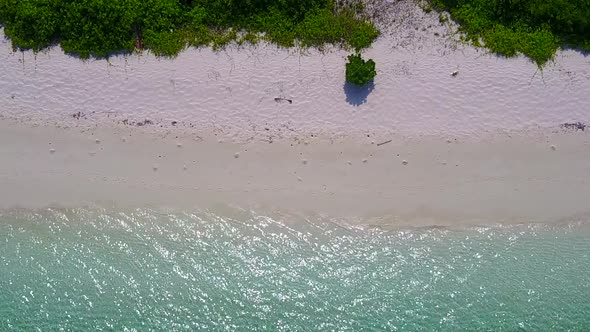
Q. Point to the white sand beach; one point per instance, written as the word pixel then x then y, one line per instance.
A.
pixel 486 145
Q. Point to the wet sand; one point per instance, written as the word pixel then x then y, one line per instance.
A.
pixel 511 179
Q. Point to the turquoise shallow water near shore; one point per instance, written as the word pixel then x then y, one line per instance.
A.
pixel 144 270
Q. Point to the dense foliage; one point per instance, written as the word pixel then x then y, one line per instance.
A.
pixel 101 27
pixel 535 28
pixel 359 71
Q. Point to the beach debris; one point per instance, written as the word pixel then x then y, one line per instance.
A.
pixel 455 73
pixel 299 179
pixel 237 155
pixel 138 124
pixel 365 161
pixel 574 126
pixel 178 145
pixel 97 141
pixel 78 115
pixel 144 123
pixel 553 147
pixel 304 161
pixel 52 150
pixel 404 162
pixel 383 143
pixel 155 167
pixel 349 163
pixel 174 123
pixel 281 99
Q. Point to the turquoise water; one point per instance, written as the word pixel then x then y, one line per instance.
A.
pixel 144 270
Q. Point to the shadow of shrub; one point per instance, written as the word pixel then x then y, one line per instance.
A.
pixel 357 95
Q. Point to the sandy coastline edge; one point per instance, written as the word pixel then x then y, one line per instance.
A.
pixel 510 179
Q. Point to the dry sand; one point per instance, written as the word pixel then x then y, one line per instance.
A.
pixel 206 128
pixel 233 92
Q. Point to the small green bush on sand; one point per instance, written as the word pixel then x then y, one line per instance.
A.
pixel 359 71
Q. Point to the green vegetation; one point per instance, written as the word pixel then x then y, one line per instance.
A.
pixel 102 27
pixel 535 28
pixel 358 71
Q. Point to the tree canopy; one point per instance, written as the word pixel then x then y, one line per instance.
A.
pixel 101 27
pixel 535 28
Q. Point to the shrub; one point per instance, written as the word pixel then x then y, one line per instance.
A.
pixel 31 24
pixel 358 71
pixel 165 43
pixel 101 27
pixel 535 28
pixel 96 27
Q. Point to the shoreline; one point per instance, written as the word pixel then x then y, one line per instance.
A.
pixel 502 180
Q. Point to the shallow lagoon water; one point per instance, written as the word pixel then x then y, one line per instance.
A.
pixel 95 269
